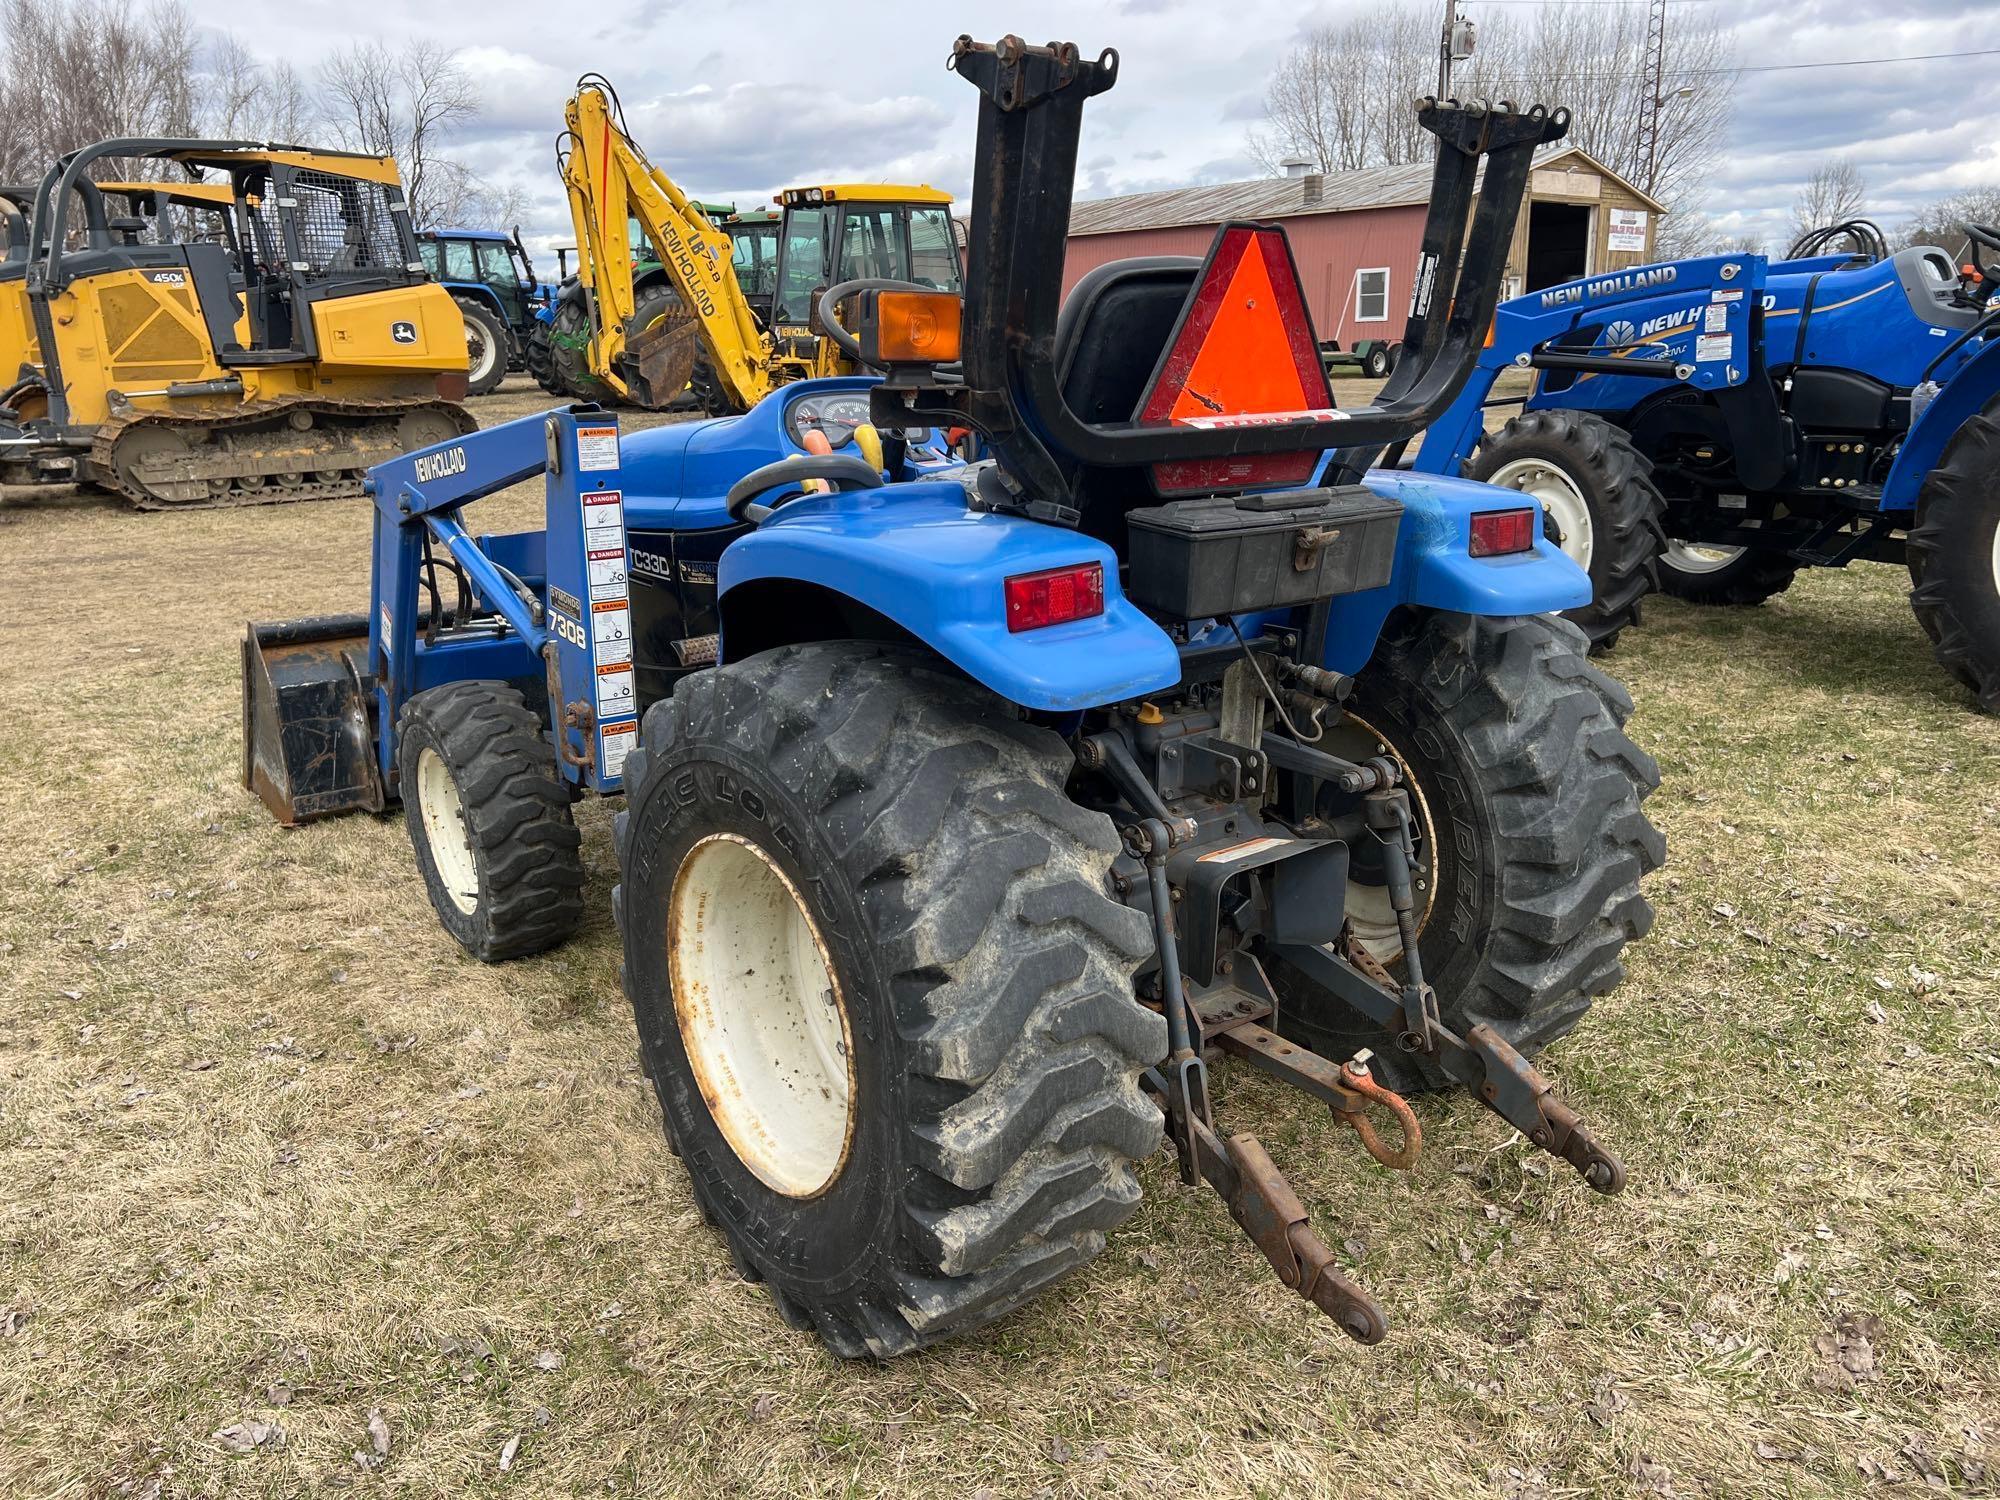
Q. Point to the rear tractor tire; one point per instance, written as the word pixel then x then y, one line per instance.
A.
pixel 710 394
pixel 882 991
pixel 1597 492
pixel 490 820
pixel 539 356
pixel 1531 839
pixel 569 351
pixel 1954 553
pixel 487 344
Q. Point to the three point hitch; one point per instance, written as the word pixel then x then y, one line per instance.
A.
pixel 1239 1018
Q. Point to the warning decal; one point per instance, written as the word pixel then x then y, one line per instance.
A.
pixel 611 630
pixel 607 573
pixel 615 697
pixel 597 447
pixel 1713 346
pixel 603 519
pixel 619 741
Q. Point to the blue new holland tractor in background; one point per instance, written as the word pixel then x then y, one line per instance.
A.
pixel 972 809
pixel 1711 426
pixel 493 282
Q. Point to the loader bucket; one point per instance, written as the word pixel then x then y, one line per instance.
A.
pixel 308 749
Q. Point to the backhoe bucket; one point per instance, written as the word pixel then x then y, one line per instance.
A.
pixel 308 750
pixel 659 361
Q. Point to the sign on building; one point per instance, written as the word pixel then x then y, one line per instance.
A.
pixel 1628 229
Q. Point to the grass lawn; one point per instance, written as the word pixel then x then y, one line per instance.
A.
pixel 278 1164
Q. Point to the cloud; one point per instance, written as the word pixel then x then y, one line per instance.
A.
pixel 735 101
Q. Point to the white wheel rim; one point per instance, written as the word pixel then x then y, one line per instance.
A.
pixel 1698 557
pixel 1368 910
pixel 445 832
pixel 761 1015
pixel 479 348
pixel 1560 498
pixel 1996 559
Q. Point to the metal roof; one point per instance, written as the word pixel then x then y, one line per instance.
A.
pixel 1278 197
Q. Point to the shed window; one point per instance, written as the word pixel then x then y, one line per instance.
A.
pixel 1371 295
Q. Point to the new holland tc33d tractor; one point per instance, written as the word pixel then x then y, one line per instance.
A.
pixel 970 809
pixel 1717 424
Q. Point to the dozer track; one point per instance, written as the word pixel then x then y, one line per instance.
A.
pixel 263 453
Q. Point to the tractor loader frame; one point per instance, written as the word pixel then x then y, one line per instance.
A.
pixel 1062 676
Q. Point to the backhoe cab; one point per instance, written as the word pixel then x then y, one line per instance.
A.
pixel 255 327
pixel 646 338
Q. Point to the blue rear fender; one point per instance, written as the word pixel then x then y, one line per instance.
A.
pixel 1435 568
pixel 1967 392
pixel 915 555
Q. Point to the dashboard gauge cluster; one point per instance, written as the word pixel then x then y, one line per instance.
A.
pixel 834 413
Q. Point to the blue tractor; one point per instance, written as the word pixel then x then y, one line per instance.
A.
pixel 493 282
pixel 972 809
pixel 1711 426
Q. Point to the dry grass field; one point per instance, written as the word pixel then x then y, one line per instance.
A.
pixel 296 1200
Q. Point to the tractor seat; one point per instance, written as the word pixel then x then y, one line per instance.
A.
pixel 1112 329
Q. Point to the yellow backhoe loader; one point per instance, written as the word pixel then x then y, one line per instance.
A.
pixel 257 326
pixel 695 322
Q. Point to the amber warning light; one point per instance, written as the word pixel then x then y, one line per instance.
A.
pixel 910 328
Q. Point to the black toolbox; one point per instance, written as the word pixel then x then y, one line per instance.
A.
pixel 1232 554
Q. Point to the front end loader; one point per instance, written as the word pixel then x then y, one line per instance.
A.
pixel 974 811
pixel 1711 426
pixel 265 333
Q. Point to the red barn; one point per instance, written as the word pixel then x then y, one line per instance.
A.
pixel 1355 234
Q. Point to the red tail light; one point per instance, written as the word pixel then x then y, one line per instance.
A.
pixel 1496 533
pixel 1055 596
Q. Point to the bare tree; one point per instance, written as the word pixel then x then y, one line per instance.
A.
pixel 456 195
pixel 1835 193
pixel 244 98
pixel 1943 223
pixel 1689 231
pixel 77 71
pixel 1342 97
pixel 402 102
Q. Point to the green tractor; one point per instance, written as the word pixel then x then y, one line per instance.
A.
pixel 558 346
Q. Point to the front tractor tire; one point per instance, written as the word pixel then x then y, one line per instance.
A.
pixel 490 820
pixel 1737 576
pixel 1954 553
pixel 487 347
pixel 1597 492
pixel 884 996
pixel 1531 839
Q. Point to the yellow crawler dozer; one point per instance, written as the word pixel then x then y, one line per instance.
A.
pixel 255 327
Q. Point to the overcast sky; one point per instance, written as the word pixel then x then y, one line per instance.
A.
pixel 736 100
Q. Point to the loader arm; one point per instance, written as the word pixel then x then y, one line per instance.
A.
pixel 610 181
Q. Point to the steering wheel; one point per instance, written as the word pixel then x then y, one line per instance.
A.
pixel 1989 237
pixel 843 470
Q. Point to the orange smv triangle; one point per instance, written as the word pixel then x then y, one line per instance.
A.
pixel 1244 347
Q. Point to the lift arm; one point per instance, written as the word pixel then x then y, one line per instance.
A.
pixel 610 181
